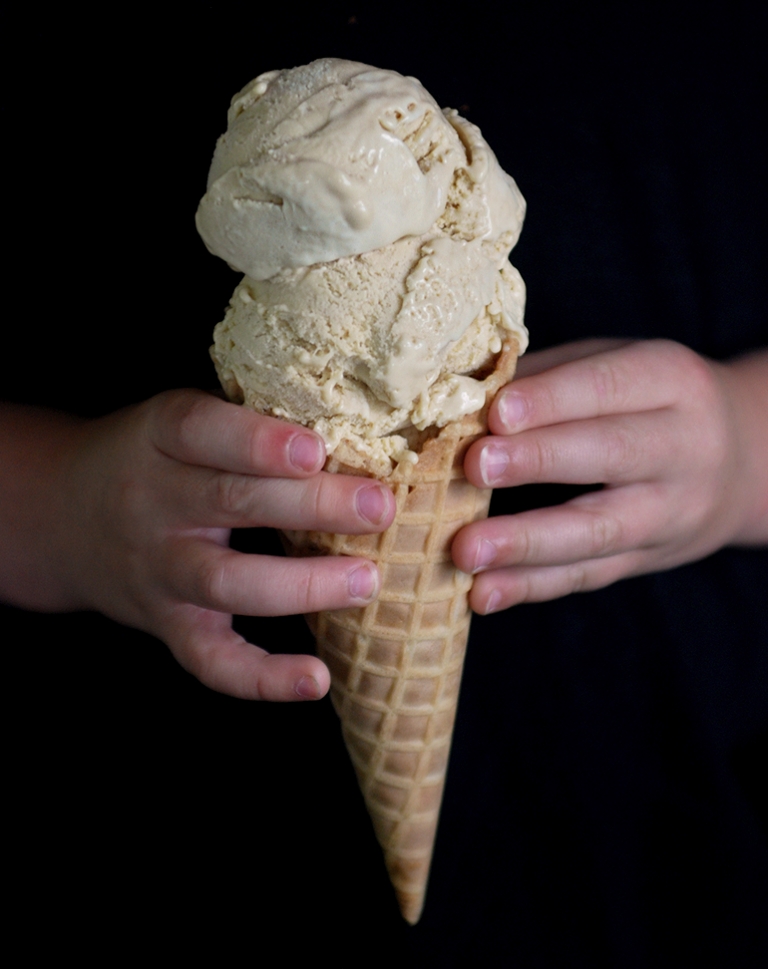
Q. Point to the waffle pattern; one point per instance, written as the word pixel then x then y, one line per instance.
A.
pixel 396 664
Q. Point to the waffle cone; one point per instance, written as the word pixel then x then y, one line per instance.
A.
pixel 396 664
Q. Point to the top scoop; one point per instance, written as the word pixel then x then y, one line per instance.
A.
pixel 374 232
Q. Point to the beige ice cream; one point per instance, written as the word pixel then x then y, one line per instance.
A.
pixel 374 232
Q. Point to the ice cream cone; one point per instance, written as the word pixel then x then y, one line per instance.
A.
pixel 396 664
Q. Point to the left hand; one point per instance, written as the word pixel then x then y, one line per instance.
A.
pixel 679 443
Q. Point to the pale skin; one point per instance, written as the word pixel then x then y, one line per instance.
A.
pixel 680 444
pixel 130 514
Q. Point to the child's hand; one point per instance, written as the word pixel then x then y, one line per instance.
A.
pixel 680 444
pixel 137 527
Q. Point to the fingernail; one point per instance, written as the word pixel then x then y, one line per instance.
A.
pixel 493 463
pixel 512 410
pixel 363 583
pixel 493 602
pixel 485 555
pixel 308 688
pixel 306 453
pixel 372 504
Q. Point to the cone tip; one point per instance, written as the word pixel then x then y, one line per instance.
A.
pixel 411 904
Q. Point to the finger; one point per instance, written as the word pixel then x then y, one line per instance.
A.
pixel 615 450
pixel 501 588
pixel 597 525
pixel 206 646
pixel 641 376
pixel 210 576
pixel 531 364
pixel 197 428
pixel 325 502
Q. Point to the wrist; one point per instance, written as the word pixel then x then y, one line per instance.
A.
pixel 37 448
pixel 746 383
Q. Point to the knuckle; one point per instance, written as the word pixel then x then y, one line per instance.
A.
pixel 232 493
pixel 260 441
pixel 524 590
pixel 544 456
pixel 679 355
pixel 524 548
pixel 605 534
pixel 533 456
pixel 691 373
pixel 317 497
pixel 543 405
pixel 578 578
pixel 705 381
pixel 624 454
pixel 209 583
pixel 182 411
pixel 608 384
pixel 202 665
pixel 307 589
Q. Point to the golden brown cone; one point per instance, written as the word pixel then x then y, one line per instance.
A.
pixel 396 664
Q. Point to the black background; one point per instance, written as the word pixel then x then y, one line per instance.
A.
pixel 604 804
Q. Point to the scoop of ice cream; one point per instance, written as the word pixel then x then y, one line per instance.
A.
pixel 374 231
pixel 327 160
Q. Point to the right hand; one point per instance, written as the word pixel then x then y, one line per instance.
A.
pixel 150 495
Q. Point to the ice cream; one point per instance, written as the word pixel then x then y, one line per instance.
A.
pixel 378 306
pixel 373 230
